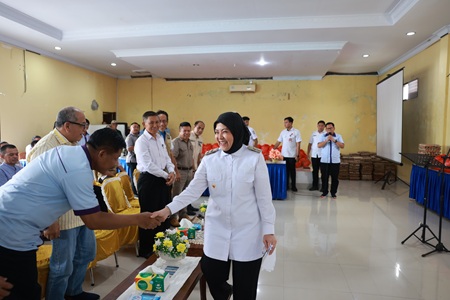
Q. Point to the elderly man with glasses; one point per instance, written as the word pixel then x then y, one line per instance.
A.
pixel 73 243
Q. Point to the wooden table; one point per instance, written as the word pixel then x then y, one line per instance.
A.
pixel 196 250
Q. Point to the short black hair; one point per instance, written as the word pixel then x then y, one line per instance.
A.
pixel 33 143
pixel 245 118
pixel 289 119
pixel 135 123
pixel 199 121
pixel 107 139
pixel 329 123
pixel 5 147
pixel 321 122
pixel 183 124
pixel 162 112
pixel 148 114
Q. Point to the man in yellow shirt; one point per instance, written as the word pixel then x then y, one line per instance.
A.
pixel 73 243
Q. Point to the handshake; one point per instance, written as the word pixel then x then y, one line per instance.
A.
pixel 150 220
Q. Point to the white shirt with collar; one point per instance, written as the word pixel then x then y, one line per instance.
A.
pixel 316 137
pixel 289 140
pixel 253 136
pixel 331 153
pixel 240 210
pixel 151 155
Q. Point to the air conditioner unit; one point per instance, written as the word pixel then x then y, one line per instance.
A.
pixel 243 88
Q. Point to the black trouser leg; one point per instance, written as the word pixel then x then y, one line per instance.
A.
pixel 334 173
pixel 315 173
pixel 245 279
pixel 290 172
pixel 21 270
pixel 324 170
pixel 153 195
pixel 216 273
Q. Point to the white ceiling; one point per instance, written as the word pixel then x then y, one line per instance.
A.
pixel 300 39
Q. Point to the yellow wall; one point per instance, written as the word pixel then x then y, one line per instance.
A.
pixel 425 118
pixel 348 101
pixel 34 88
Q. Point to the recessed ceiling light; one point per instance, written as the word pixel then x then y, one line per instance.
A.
pixel 196 65
pixel 411 33
pixel 365 55
pixel 57 48
pixel 262 62
pixel 113 64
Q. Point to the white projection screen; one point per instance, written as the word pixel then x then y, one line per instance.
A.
pixel 389 117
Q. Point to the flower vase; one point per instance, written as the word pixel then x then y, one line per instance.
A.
pixel 170 258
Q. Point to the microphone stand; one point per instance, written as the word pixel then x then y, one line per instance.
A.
pixel 439 247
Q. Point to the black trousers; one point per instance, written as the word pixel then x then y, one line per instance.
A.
pixel 21 270
pixel 315 173
pixel 154 195
pixel 290 172
pixel 245 278
pixel 132 167
pixel 328 170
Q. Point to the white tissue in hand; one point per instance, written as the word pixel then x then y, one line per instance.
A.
pixel 156 270
pixel 269 261
pixel 185 223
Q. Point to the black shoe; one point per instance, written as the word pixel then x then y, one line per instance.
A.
pixel 294 189
pixel 191 208
pixel 314 188
pixel 83 296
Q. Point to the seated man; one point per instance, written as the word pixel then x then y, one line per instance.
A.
pixel 9 167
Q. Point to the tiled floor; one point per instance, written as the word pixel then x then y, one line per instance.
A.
pixel 344 249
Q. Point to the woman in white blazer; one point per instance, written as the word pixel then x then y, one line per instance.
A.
pixel 240 219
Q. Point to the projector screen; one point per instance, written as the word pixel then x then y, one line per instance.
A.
pixel 389 117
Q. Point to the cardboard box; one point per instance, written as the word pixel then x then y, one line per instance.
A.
pixel 147 281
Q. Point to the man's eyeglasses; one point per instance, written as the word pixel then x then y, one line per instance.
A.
pixel 76 123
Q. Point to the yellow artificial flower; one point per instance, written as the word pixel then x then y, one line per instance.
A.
pixel 181 248
pixel 154 247
pixel 160 235
pixel 202 209
pixel 167 243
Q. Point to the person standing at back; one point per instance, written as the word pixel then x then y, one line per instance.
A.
pixel 315 153
pixel 253 137
pixel 183 150
pixel 330 162
pixel 291 140
pixel 156 179
pixel 131 156
pixel 197 142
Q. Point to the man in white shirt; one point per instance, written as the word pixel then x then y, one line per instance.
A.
pixel 253 137
pixel 330 162
pixel 157 176
pixel 291 140
pixel 315 153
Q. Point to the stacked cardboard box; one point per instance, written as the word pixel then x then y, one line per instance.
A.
pixel 366 170
pixel 343 171
pixel 365 165
pixel 429 149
